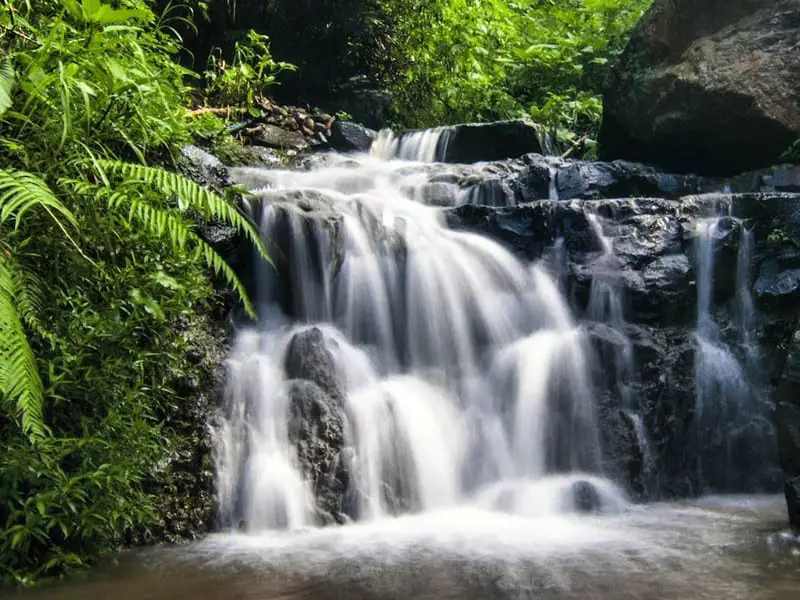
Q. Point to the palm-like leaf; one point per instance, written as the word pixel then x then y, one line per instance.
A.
pixel 170 225
pixel 21 389
pixel 21 191
pixel 7 80
pixel 190 195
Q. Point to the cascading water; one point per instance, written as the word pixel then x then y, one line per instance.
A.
pixel 464 377
pixel 606 305
pixel 730 417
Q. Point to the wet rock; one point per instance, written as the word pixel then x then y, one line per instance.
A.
pixel 528 230
pixel 278 137
pixel 783 286
pixel 439 194
pixel 308 357
pixel 787 420
pixel 586 497
pixel 204 168
pixel 351 137
pixel 784 179
pixel 316 428
pixel 669 277
pixel 707 87
pixel 778 281
pixel 479 142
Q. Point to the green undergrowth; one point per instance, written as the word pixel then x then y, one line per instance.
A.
pixel 103 271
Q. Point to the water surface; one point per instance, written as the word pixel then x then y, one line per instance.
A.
pixel 731 547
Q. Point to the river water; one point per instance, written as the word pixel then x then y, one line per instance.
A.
pixel 723 547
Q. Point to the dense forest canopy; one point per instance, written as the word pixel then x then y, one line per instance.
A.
pixel 104 273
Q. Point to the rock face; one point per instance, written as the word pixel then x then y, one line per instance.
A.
pixel 309 358
pixel 351 137
pixel 316 428
pixel 707 86
pixel 788 421
pixel 317 421
pixel 477 142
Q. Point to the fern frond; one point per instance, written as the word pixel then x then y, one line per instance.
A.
pixel 7 80
pixel 170 226
pixel 30 303
pixel 21 191
pixel 190 195
pixel 21 389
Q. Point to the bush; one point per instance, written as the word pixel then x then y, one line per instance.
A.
pixel 477 60
pixel 101 266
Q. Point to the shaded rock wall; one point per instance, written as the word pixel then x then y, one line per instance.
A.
pixel 707 86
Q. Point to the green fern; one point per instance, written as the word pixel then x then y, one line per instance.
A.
pixel 171 226
pixel 21 191
pixel 21 389
pixel 7 80
pixel 190 195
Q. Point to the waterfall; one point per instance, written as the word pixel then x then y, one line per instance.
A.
pixel 745 307
pixel 427 145
pixel 606 305
pixel 727 401
pixel 460 369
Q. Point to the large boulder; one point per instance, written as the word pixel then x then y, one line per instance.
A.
pixel 347 136
pixel 476 142
pixel 308 357
pixel 317 420
pixel 316 428
pixel 707 86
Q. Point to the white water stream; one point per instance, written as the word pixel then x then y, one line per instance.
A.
pixel 465 374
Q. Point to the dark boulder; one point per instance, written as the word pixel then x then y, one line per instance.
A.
pixel 273 136
pixel 480 142
pixel 783 286
pixel 316 428
pixel 483 142
pixel 707 86
pixel 623 179
pixel 585 497
pixel 351 137
pixel 308 357
pixel 203 168
pixel 787 420
pixel 669 277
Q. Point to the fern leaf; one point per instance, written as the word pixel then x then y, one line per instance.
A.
pixel 192 195
pixel 172 227
pixel 21 389
pixel 7 80
pixel 21 191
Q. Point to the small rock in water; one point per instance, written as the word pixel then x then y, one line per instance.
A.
pixel 351 137
pixel 585 497
pixel 277 137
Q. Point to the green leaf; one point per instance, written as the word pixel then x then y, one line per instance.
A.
pixel 7 81
pixel 21 389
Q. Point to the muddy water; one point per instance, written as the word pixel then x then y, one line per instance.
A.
pixel 714 548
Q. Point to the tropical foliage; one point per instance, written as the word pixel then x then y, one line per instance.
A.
pixel 100 263
pixel 474 60
pixel 251 72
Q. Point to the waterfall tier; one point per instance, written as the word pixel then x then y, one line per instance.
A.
pixel 446 335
